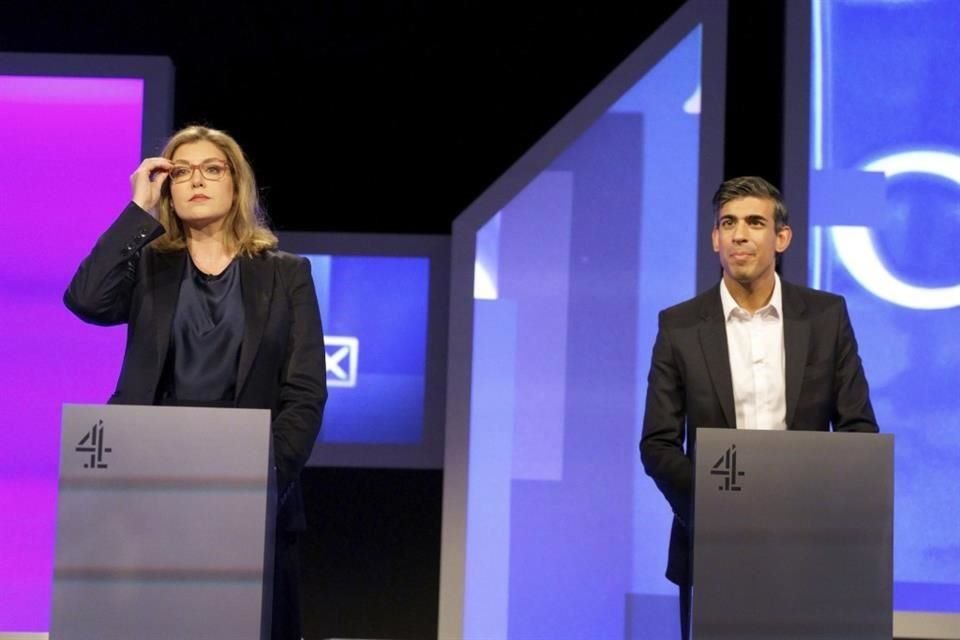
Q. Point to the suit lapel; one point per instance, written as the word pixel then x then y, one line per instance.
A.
pixel 713 342
pixel 256 284
pixel 796 338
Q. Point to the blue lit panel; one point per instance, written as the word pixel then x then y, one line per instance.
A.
pixel 551 529
pixel 374 311
pixel 884 232
pixel 567 537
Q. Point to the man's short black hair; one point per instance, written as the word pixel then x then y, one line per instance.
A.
pixel 746 187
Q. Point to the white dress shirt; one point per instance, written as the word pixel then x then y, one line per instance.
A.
pixel 755 344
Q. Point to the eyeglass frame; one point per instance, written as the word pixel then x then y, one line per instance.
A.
pixel 194 167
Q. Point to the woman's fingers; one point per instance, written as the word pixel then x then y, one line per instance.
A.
pixel 146 181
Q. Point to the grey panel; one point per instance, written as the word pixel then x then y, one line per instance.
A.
pixel 165 521
pixel 793 535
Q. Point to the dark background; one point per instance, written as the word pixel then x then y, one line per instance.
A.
pixel 392 117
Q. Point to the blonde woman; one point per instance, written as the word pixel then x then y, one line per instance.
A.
pixel 216 315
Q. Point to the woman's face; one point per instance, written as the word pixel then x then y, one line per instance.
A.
pixel 201 183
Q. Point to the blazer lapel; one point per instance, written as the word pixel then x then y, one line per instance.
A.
pixel 713 342
pixel 796 338
pixel 256 284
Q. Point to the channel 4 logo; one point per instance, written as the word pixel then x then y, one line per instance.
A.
pixel 94 443
pixel 343 353
pixel 726 466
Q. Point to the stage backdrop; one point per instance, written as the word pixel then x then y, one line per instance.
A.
pixel 551 528
pixel 873 154
pixel 384 303
pixel 72 129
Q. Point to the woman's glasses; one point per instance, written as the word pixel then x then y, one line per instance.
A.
pixel 211 170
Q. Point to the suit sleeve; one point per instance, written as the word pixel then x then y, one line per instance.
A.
pixel 101 290
pixel 852 410
pixel 303 386
pixel 661 446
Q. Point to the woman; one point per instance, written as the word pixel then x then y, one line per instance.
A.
pixel 216 315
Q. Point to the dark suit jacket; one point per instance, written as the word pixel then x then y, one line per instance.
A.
pixel 690 386
pixel 282 360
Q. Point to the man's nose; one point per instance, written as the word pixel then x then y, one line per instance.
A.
pixel 740 231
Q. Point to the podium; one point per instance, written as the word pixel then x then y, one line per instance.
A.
pixel 165 523
pixel 792 536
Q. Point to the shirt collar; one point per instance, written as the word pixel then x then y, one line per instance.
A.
pixel 730 306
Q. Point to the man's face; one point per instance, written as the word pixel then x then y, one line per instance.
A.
pixel 746 240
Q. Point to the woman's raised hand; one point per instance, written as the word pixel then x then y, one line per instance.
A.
pixel 146 181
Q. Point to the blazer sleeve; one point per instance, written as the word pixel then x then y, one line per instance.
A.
pixel 303 384
pixel 852 410
pixel 664 420
pixel 102 288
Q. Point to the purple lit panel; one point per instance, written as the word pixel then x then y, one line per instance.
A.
pixel 69 145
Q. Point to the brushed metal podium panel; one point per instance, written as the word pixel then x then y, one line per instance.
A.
pixel 793 536
pixel 165 520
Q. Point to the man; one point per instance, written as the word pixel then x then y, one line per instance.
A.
pixel 751 353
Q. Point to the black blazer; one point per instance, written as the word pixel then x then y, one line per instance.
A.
pixel 690 386
pixel 282 360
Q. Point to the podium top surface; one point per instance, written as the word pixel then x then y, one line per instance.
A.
pixel 102 442
pixel 788 479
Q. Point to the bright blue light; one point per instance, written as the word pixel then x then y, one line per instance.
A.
pixel 883 90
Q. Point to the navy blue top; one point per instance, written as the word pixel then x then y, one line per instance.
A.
pixel 205 338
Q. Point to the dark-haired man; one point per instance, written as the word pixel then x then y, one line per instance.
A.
pixel 753 352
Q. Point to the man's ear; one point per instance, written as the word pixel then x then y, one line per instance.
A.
pixel 784 236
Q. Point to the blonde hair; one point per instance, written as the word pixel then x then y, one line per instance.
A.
pixel 246 226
